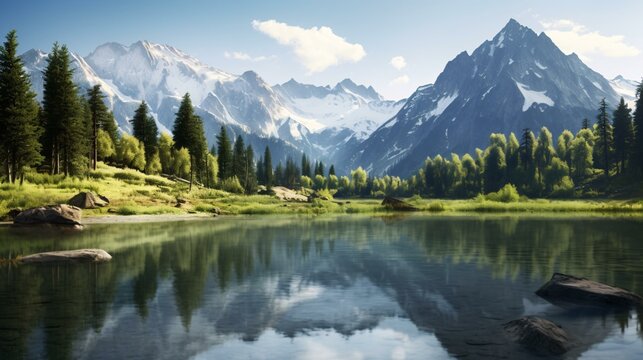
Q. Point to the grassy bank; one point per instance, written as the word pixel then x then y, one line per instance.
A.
pixel 131 192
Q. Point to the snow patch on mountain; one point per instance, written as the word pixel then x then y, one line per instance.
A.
pixel 626 89
pixel 533 97
pixel 443 104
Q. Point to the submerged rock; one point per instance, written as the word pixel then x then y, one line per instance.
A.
pixel 63 214
pixel 567 290
pixel 82 255
pixel 538 335
pixel 88 200
pixel 392 203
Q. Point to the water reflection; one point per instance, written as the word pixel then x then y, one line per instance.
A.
pixel 277 287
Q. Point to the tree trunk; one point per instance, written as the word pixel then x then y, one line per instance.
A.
pixel 95 144
pixel 191 171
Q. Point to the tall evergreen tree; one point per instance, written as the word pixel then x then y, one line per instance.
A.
pixel 623 134
pixel 250 171
pixel 100 118
pixel 267 168
pixel 224 151
pixel 527 160
pixel 637 149
pixel 65 135
pixel 239 161
pixel 585 124
pixel 19 123
pixel 331 171
pixel 145 130
pixel 189 134
pixel 604 138
pixel 305 166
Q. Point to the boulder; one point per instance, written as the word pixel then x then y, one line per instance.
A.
pixel 51 214
pixel 285 194
pixel 538 335
pixel 567 290
pixel 82 255
pixel 88 200
pixel 392 203
pixel 11 214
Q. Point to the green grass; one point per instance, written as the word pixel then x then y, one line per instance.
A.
pixel 133 193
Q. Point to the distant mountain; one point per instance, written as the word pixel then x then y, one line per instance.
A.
pixel 290 116
pixel 516 80
pixel 626 89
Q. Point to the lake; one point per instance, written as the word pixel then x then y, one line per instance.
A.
pixel 328 287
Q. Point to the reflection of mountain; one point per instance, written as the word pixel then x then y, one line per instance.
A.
pixel 177 290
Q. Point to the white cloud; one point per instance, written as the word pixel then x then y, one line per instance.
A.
pixel 317 48
pixel 404 79
pixel 236 55
pixel 573 37
pixel 398 62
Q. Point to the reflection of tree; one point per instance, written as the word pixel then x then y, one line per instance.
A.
pixel 145 285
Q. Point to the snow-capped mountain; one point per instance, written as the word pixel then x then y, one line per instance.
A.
pixel 246 104
pixel 626 89
pixel 517 80
pixel 344 106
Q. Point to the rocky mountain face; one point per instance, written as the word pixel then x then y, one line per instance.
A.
pixel 517 80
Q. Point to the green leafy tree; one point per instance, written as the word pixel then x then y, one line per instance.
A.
pixel 166 145
pixel 512 156
pixel 563 147
pixel 623 135
pixel 544 153
pixel 359 179
pixel 153 164
pixel 131 152
pixel 581 153
pixel 494 170
pixel 19 123
pixel 106 147
pixel 181 162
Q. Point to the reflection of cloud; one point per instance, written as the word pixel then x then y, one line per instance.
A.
pixel 393 338
pixel 574 37
pixel 317 48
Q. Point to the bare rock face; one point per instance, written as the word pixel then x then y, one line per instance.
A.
pixel 82 255
pixel 538 335
pixel 392 203
pixel 567 290
pixel 88 200
pixel 63 214
pixel 285 194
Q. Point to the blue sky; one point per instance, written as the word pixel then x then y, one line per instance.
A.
pixel 359 39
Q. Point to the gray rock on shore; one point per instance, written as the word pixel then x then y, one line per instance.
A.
pixel 82 255
pixel 88 200
pixel 62 214
pixel 392 203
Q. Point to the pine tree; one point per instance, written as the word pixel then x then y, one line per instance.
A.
pixel 267 168
pixel 637 149
pixel 99 119
pixel 189 134
pixel 305 166
pixel 19 123
pixel 623 134
pixel 250 171
pixel 239 161
pixel 145 130
pixel 527 160
pixel 331 171
pixel 279 174
pixel 65 135
pixel 224 151
pixel 585 124
pixel 604 138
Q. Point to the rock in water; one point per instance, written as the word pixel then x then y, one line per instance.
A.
pixel 392 203
pixel 538 335
pixel 88 200
pixel 51 214
pixel 567 290
pixel 82 255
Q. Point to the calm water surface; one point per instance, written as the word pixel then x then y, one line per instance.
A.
pixel 348 287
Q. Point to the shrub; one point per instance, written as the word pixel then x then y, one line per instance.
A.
pixel 232 185
pixel 507 194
